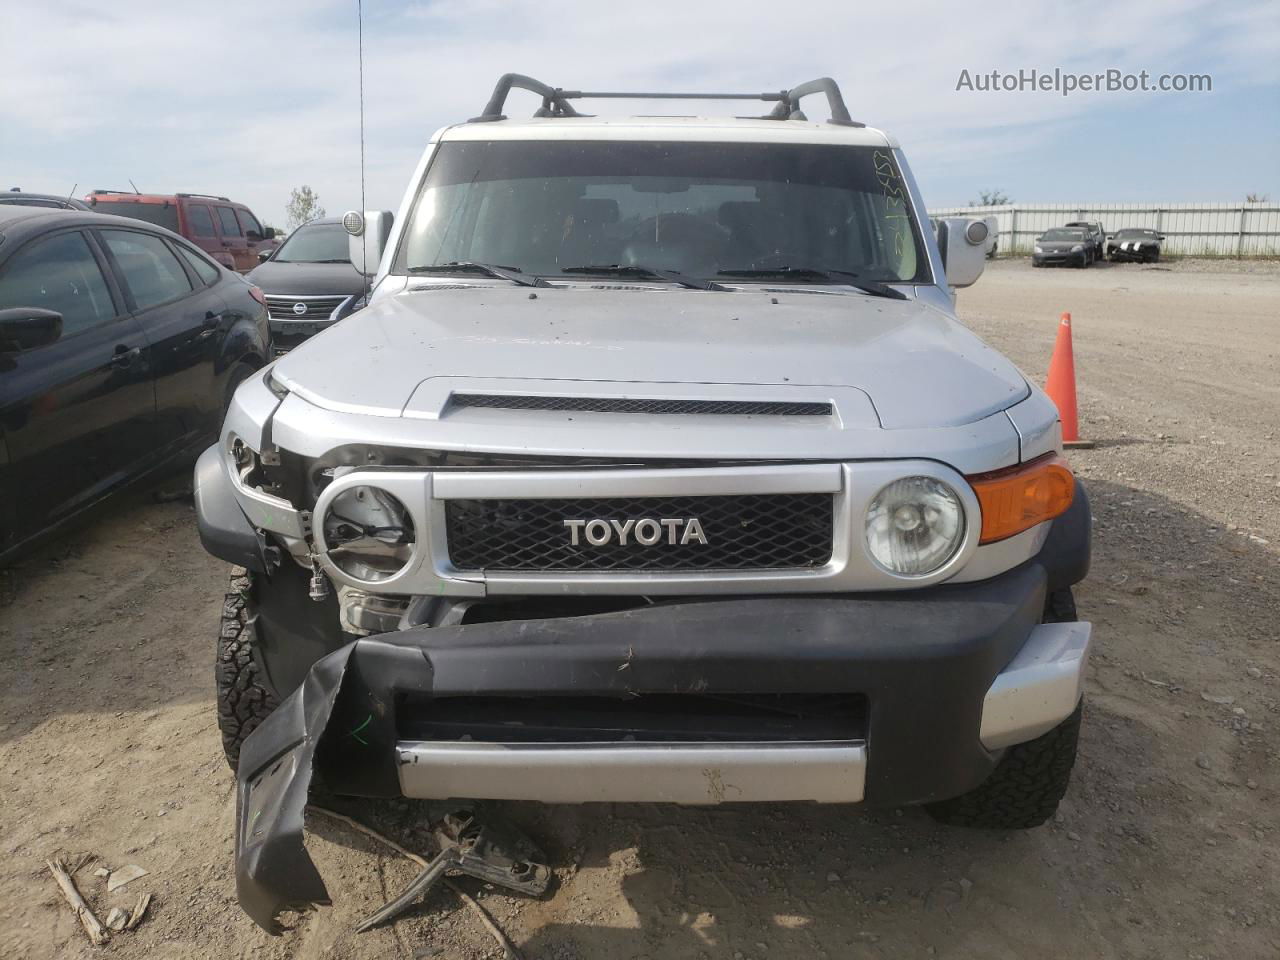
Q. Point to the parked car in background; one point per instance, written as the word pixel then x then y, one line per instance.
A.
pixel 48 200
pixel 1097 236
pixel 1134 244
pixel 1063 246
pixel 120 347
pixel 309 282
pixel 226 230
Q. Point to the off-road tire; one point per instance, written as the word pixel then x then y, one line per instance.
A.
pixel 243 700
pixel 1031 778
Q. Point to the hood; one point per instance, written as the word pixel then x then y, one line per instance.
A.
pixel 918 367
pixel 306 279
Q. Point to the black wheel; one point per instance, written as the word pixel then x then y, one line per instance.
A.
pixel 1026 786
pixel 1151 257
pixel 244 701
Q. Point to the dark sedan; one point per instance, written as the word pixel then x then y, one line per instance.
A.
pixel 309 282
pixel 1068 246
pixel 1135 244
pixel 49 200
pixel 120 346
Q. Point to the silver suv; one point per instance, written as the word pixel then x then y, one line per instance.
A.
pixel 657 469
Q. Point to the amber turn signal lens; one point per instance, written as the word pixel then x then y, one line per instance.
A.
pixel 1018 498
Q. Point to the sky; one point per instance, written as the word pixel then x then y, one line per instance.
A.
pixel 251 99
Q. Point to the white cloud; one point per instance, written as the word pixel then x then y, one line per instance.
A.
pixel 251 99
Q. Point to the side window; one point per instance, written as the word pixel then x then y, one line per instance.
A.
pixel 249 222
pixel 201 220
pixel 227 220
pixel 58 273
pixel 151 271
pixel 203 268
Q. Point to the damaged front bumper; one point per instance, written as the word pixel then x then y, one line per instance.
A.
pixel 892 699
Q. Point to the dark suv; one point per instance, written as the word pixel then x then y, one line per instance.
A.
pixel 226 230
pixel 1097 237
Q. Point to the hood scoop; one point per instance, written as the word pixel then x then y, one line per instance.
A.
pixel 657 406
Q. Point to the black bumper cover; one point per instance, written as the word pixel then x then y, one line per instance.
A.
pixel 924 660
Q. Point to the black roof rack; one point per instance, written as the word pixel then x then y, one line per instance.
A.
pixel 555 100
pixel 206 196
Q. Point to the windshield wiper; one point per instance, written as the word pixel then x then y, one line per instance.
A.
pixel 873 287
pixel 513 274
pixel 631 270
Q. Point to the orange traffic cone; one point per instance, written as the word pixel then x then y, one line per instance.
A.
pixel 1061 385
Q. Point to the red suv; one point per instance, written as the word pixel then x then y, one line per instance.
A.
pixel 226 230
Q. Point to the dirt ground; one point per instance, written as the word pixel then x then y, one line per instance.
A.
pixel 1166 846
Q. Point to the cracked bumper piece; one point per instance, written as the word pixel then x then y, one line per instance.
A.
pixel 894 699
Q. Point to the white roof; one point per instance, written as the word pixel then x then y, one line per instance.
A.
pixel 705 129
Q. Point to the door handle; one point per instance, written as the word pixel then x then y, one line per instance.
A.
pixel 124 356
pixel 205 334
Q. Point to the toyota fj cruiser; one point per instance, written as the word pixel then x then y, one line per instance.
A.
pixel 658 468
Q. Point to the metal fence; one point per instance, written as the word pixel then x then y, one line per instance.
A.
pixel 1190 229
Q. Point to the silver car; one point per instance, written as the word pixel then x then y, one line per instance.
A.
pixel 658 468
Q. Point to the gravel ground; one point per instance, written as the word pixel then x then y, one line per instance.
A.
pixel 1165 847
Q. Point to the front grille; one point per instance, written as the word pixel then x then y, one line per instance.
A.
pixel 774 531
pixel 759 408
pixel 281 307
pixel 646 717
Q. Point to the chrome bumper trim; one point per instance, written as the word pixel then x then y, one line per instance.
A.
pixel 690 773
pixel 1039 688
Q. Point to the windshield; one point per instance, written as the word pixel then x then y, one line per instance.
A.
pixel 1060 234
pixel 1137 234
pixel 702 209
pixel 317 243
pixel 161 214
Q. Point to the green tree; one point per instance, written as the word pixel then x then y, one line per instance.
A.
pixel 990 198
pixel 303 205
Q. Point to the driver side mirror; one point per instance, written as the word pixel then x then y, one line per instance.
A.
pixel 269 233
pixel 24 328
pixel 962 243
pixel 368 237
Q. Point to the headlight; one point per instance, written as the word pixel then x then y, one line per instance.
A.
pixel 1077 248
pixel 369 534
pixel 1038 250
pixel 914 526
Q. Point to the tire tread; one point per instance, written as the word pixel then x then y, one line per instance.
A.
pixel 244 701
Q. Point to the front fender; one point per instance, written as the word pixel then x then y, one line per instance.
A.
pixel 225 531
pixel 1067 550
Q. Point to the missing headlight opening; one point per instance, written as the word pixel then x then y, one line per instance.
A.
pixel 369 533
